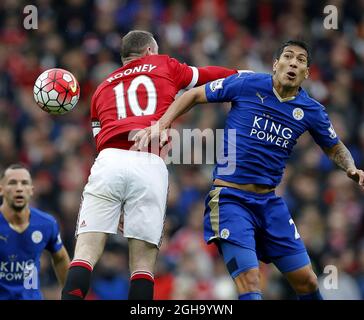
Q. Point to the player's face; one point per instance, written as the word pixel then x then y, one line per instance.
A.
pixel 16 188
pixel 291 68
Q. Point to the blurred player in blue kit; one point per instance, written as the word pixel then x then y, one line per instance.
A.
pixel 24 233
pixel 243 216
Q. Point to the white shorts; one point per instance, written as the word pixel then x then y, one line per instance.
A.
pixel 129 181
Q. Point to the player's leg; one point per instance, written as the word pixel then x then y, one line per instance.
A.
pixel 304 282
pixel 284 246
pixel 144 211
pixel 142 259
pixel 99 215
pixel 243 267
pixel 231 225
pixel 88 250
pixel 97 218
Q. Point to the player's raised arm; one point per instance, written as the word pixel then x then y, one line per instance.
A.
pixel 186 77
pixel 181 105
pixel 342 157
pixel 220 90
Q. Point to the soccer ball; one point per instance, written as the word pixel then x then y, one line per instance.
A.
pixel 56 91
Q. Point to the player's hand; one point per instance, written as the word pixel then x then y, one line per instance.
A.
pixel 356 175
pixel 145 136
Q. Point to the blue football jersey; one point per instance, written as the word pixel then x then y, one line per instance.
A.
pixel 262 128
pixel 20 255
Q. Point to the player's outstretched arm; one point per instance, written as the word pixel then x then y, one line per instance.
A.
pixel 61 261
pixel 340 154
pixel 180 106
pixel 183 104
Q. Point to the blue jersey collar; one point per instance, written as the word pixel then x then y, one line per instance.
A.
pixel 280 99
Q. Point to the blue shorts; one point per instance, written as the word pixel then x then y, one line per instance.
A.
pixel 259 225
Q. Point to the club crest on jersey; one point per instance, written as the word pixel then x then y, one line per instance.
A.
pixel 225 233
pixel 37 236
pixel 217 84
pixel 298 113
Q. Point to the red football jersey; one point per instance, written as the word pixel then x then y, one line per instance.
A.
pixel 138 94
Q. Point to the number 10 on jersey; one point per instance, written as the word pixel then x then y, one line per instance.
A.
pixel 132 98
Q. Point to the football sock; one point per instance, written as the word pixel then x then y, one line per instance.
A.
pixel 78 280
pixel 311 296
pixel 251 296
pixel 141 286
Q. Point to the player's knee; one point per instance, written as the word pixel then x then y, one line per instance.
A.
pixel 142 255
pixel 248 281
pixel 89 247
pixel 84 252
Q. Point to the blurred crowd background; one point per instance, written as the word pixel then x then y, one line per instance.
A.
pixel 83 36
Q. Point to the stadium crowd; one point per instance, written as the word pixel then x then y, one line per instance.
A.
pixel 83 36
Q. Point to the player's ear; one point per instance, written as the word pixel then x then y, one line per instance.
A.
pixel 145 52
pixel 307 73
pixel 275 65
pixel 149 51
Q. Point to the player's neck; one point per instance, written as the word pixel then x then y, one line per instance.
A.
pixel 131 59
pixel 135 56
pixel 16 218
pixel 284 92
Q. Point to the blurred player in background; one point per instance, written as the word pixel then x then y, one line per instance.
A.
pixel 243 216
pixel 24 233
pixel 131 98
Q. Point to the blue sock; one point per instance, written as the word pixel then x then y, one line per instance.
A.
pixel 311 296
pixel 251 296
